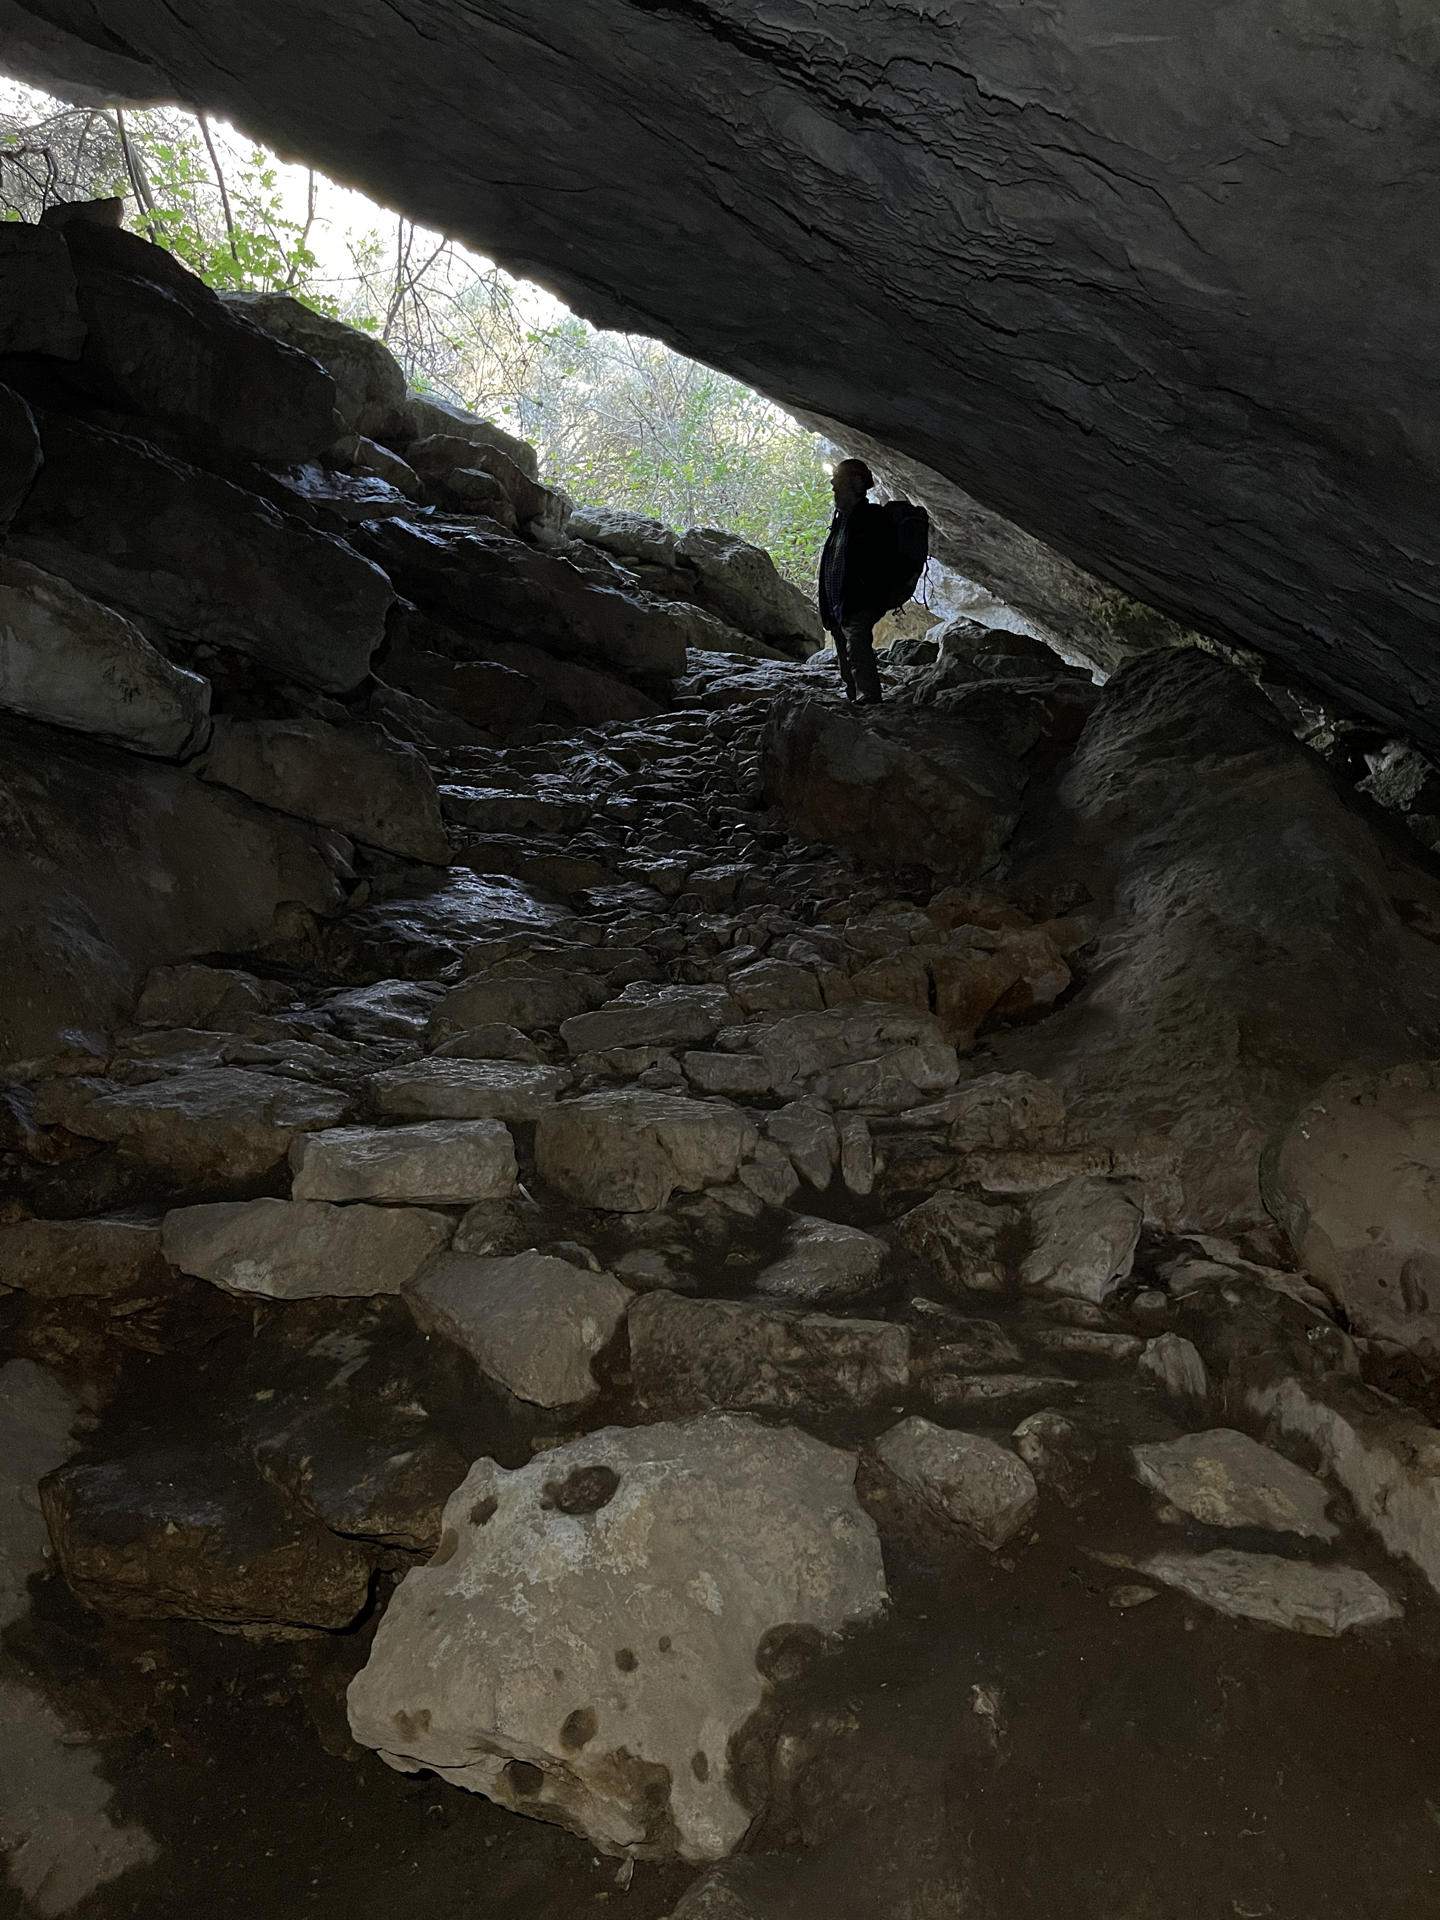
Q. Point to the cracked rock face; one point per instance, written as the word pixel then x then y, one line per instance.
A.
pixel 638 1571
pixel 1065 244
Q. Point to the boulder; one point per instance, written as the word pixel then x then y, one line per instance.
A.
pixel 1085 1232
pixel 426 415
pixel 1226 1479
pixel 653 1562
pixel 471 574
pixel 111 863
pixel 1216 849
pixel 303 1249
pixel 176 1534
pixel 70 662
pixel 836 1053
pixel 354 778
pixel 103 1257
pixel 524 1000
pixel 461 1089
pixel 892 788
pixel 696 1356
pixel 967 1245
pixel 824 1264
pixel 1355 1183
pixel 38 309
pixel 740 584
pixel 1325 1601
pixel 534 1323
pixel 440 1163
pixel 160 344
pixel 974 1484
pixel 629 1151
pixel 213 999
pixel 650 1017
pixel 199 557
pixel 371 1469
pixel 630 535
pixel 224 1125
pixel 19 454
pixel 370 390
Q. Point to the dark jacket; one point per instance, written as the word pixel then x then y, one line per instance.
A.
pixel 856 567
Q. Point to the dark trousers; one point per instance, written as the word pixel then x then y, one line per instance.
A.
pixel 855 650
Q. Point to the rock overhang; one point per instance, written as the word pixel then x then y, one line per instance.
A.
pixel 1157 289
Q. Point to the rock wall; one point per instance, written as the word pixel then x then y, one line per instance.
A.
pixel 1162 294
pixel 211 569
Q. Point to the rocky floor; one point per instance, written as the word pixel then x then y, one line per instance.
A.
pixel 617 1306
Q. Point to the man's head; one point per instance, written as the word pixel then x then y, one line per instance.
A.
pixel 850 482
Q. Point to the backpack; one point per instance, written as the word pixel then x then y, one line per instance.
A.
pixel 909 528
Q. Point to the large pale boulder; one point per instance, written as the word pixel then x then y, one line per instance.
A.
pixel 303 1249
pixel 1355 1183
pixel 1084 1234
pixel 583 1646
pixel 172 544
pixel 823 1263
pixel 370 391
pixel 356 779
pixel 741 584
pixel 38 309
pixel 628 1151
pixel 892 788
pixel 631 536
pixel 531 1321
pixel 160 344
pixel 70 662
pixel 111 864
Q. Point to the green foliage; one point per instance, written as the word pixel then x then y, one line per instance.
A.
pixel 619 420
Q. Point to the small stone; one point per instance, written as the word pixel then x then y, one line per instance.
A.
pixel 1122 1599
pixel 442 1163
pixel 1085 1234
pixel 1226 1479
pixel 770 1175
pixel 1174 1363
pixel 450 1089
pixel 667 1017
pixel 857 1154
pixel 1326 1601
pixel 532 1322
pixel 977 1485
pixel 1058 1452
pixel 824 1264
pixel 808 1134
pixel 492 1042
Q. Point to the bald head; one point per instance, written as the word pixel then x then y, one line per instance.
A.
pixel 850 482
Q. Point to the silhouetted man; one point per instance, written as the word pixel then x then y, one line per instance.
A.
pixel 852 579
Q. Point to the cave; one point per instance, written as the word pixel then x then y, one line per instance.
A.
pixel 623 1279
